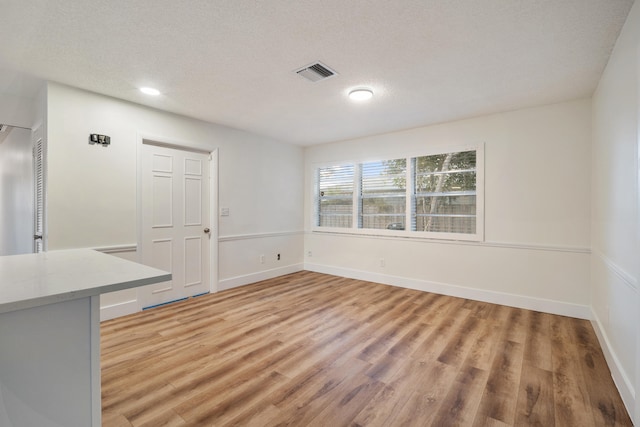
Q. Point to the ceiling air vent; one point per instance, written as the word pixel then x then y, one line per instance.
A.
pixel 316 72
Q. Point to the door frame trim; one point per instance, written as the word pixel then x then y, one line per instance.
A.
pixel 162 141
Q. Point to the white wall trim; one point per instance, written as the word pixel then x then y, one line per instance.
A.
pixel 620 377
pixel 235 237
pixel 234 282
pixel 627 278
pixel 536 247
pixel 494 297
pixel 116 249
pixel 507 245
pixel 117 310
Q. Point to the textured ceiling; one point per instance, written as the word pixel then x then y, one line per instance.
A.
pixel 232 61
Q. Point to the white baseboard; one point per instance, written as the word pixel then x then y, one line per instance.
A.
pixel 530 303
pixel 112 311
pixel 620 377
pixel 129 307
pixel 234 282
pixel 512 300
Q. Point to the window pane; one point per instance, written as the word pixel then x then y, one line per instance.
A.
pixel 336 213
pixel 389 222
pixel 447 224
pixel 445 193
pixel 336 180
pixel 463 160
pixel 383 194
pixel 446 182
pixel 335 196
pixel 446 172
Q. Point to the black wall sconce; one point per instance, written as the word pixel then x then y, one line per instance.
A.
pixel 103 140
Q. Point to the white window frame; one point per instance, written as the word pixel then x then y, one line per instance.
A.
pixel 478 236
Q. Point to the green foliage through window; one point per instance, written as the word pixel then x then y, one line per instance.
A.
pixel 445 193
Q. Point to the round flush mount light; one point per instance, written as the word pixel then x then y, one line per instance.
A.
pixel 150 91
pixel 360 94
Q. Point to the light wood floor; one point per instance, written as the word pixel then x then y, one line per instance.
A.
pixel 309 349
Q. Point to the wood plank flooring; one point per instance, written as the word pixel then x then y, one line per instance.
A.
pixel 310 349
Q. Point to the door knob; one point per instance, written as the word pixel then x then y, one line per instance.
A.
pixel 206 230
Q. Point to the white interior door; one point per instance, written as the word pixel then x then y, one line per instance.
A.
pixel 175 191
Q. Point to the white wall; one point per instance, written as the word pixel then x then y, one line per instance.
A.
pixel 615 266
pixel 16 192
pixel 92 189
pixel 537 213
pixel 16 110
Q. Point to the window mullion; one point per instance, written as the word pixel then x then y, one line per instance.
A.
pixel 357 196
pixel 316 198
pixel 410 194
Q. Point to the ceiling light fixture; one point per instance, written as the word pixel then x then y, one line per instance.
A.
pixel 360 94
pixel 150 91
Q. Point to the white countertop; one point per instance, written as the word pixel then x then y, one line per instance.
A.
pixel 37 279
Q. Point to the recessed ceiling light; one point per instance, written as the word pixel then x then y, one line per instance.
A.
pixel 150 91
pixel 360 94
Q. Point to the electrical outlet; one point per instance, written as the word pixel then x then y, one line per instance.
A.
pixel 309 254
pixel 261 259
pixel 278 257
pixel 382 262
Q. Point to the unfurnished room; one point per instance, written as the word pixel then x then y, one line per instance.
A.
pixel 337 213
